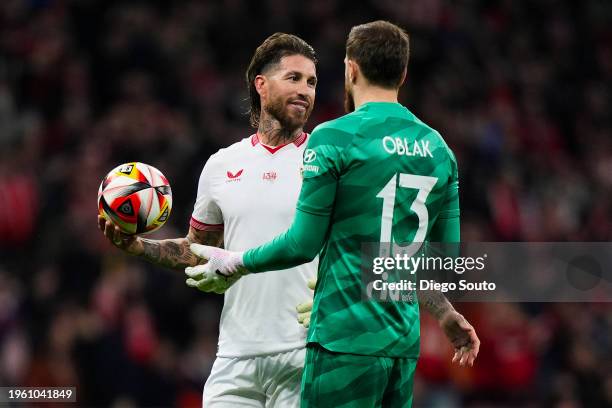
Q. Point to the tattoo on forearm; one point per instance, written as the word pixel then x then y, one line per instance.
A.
pixel 211 238
pixel 175 253
pixel 173 249
pixel 435 302
pixel 151 249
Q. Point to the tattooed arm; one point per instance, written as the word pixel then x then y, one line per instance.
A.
pixel 435 303
pixel 456 328
pixel 175 253
pixel 170 253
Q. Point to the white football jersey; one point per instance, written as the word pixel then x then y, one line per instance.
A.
pixel 250 191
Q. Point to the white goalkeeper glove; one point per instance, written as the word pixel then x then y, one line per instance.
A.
pixel 204 279
pixel 223 269
pixel 305 309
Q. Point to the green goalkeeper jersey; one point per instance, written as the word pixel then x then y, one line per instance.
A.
pixel 376 175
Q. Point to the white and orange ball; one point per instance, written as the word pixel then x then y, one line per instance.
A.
pixel 136 197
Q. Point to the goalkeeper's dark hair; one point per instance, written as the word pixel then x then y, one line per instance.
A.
pixel 266 57
pixel 381 49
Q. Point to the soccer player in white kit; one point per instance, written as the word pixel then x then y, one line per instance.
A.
pixel 247 195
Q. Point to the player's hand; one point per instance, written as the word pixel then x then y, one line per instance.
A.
pixel 463 337
pixel 128 243
pixel 203 278
pixel 305 309
pixel 220 261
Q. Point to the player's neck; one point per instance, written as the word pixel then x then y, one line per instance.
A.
pixel 373 94
pixel 271 133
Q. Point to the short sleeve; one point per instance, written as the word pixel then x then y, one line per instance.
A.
pixel 450 208
pixel 321 169
pixel 447 226
pixel 207 215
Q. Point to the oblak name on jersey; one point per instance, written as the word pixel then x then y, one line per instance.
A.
pixel 403 147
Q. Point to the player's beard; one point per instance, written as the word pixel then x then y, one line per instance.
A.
pixel 279 110
pixel 349 101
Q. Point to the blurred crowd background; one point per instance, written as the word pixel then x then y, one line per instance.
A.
pixel 519 89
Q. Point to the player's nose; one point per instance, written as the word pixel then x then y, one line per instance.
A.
pixel 305 92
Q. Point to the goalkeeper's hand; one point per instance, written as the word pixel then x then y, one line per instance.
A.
pixel 203 278
pixel 463 337
pixel 223 262
pixel 305 309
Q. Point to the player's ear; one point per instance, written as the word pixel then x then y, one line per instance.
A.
pixel 260 85
pixel 352 70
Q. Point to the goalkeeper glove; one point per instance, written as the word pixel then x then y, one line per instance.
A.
pixel 305 309
pixel 207 280
pixel 220 261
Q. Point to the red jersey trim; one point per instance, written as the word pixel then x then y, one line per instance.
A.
pixel 200 226
pixel 273 149
pixel 301 139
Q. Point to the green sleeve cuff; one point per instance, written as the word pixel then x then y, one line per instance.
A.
pixel 247 261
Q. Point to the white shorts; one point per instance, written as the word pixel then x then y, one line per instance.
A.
pixel 271 380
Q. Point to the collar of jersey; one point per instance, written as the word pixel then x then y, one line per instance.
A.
pixel 273 149
pixel 386 105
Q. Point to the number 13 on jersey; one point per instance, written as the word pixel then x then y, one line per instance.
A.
pixel 424 185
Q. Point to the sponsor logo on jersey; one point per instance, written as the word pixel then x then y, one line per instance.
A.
pixel 309 155
pixel 269 176
pixel 311 168
pixel 403 147
pixel 234 176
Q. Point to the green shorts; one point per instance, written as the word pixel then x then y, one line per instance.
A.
pixel 342 380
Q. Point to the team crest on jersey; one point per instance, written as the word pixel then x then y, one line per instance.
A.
pixel 269 176
pixel 233 176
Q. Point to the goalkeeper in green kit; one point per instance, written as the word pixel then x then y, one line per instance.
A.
pixel 375 175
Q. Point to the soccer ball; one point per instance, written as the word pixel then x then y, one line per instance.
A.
pixel 136 197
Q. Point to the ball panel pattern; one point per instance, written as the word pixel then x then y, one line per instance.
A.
pixel 136 197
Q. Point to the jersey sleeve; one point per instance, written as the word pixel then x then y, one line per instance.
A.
pixel 207 215
pixel 447 226
pixel 303 241
pixel 300 244
pixel 321 172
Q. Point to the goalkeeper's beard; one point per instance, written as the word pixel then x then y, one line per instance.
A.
pixel 349 101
